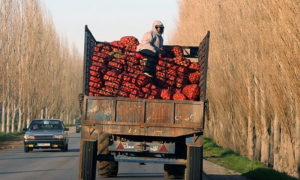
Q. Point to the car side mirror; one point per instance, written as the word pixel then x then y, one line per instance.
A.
pixel 66 129
pixel 24 129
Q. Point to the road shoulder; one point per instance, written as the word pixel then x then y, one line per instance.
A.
pixel 215 172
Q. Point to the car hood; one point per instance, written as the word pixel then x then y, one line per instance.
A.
pixel 45 132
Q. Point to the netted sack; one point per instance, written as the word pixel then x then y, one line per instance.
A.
pixel 95 73
pixel 142 80
pixel 116 66
pixel 191 91
pixel 111 76
pixel 129 42
pixel 114 85
pixel 132 60
pixel 194 66
pixel 98 64
pixel 182 61
pixel 194 77
pixel 178 95
pixel 177 51
pixel 166 94
pixel 116 45
pixel 93 90
pixel 95 79
pixel 122 94
pixel 130 85
pixel 95 84
pixel 108 91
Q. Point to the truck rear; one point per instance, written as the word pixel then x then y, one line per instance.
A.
pixel 122 129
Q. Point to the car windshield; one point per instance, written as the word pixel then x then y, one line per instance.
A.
pixel 46 125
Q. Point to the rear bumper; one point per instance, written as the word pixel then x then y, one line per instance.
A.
pixel 123 158
pixel 45 143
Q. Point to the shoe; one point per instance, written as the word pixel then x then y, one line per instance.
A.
pixel 147 74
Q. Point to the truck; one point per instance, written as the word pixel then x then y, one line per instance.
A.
pixel 117 129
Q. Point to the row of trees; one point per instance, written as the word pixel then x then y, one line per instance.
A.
pixel 253 75
pixel 39 72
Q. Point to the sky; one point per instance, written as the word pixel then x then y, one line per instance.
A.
pixel 109 20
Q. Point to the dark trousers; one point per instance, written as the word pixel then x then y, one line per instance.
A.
pixel 151 63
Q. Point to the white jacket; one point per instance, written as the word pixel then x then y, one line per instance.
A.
pixel 152 40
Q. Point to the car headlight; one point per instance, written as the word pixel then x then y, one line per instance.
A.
pixel 28 137
pixel 58 136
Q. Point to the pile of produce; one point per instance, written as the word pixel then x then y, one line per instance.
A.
pixel 116 70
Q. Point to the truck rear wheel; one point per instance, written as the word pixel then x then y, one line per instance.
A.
pixel 106 168
pixel 194 163
pixel 172 171
pixel 89 158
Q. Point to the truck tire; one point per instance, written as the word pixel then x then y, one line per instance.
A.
pixel 172 171
pixel 65 148
pixel 176 171
pixel 106 168
pixel 89 158
pixel 26 149
pixel 194 163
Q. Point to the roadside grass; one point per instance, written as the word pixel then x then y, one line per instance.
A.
pixel 11 136
pixel 251 169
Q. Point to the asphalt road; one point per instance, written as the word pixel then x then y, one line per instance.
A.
pixel 56 165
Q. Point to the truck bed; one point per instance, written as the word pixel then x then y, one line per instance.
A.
pixel 144 117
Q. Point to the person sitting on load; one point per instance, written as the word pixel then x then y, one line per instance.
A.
pixel 151 46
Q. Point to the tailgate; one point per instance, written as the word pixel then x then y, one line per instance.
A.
pixel 143 117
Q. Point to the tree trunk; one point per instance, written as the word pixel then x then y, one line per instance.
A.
pixel 24 121
pixel 46 113
pixel 297 148
pixel 257 125
pixel 8 118
pixel 28 116
pixel 20 120
pixel 61 116
pixel 277 135
pixel 13 119
pixel 3 117
pixel 250 131
pixel 265 135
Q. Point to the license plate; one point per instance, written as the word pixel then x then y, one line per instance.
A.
pixel 44 144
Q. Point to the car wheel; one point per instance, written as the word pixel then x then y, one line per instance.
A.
pixel 65 148
pixel 26 149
